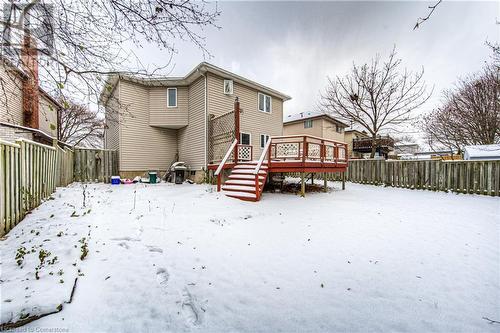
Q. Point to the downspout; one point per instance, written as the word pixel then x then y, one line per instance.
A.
pixel 206 122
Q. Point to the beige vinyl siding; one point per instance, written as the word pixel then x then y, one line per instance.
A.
pixel 11 96
pixel 112 118
pixel 329 131
pixel 297 128
pixel 322 128
pixel 192 138
pixel 169 117
pixel 47 116
pixel 252 120
pixel 143 147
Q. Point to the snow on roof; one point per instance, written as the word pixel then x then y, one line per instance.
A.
pixel 482 151
pixel 308 115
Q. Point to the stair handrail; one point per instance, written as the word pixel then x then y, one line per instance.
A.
pixel 224 160
pixel 262 156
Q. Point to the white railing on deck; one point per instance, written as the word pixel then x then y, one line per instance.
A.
pixel 224 160
pixel 262 156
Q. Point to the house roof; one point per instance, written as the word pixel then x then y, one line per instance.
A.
pixel 482 151
pixel 349 130
pixel 194 74
pixel 311 115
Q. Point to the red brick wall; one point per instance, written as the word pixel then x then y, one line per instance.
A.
pixel 31 94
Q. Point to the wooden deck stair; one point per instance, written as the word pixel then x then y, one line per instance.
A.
pixel 242 183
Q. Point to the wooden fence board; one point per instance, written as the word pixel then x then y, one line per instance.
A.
pixel 479 177
pixel 30 173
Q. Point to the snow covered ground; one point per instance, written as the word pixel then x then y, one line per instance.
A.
pixel 186 258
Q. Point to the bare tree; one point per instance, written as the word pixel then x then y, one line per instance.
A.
pixel 83 41
pixel 470 114
pixel 377 96
pixel 78 125
pixel 431 8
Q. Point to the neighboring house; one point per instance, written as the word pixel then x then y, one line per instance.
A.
pixel 316 124
pixel 362 145
pixel 155 122
pixel 349 136
pixel 482 152
pixel 26 110
pixel 405 148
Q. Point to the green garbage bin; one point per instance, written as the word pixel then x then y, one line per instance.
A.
pixel 152 177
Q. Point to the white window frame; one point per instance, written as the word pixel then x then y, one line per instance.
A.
pixel 265 141
pixel 168 98
pixel 270 103
pixel 249 138
pixel 224 87
pixel 308 121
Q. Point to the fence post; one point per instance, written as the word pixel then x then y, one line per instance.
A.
pixel 2 190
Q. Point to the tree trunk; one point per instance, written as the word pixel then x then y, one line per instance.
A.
pixel 374 146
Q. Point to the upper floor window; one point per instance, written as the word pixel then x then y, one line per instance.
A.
pixel 264 103
pixel 338 128
pixel 308 123
pixel 228 87
pixel 172 97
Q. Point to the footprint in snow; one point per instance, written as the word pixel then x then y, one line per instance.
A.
pixel 191 309
pixel 152 248
pixel 162 276
pixel 130 239
pixel 124 245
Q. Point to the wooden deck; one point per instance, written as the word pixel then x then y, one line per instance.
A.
pixel 283 154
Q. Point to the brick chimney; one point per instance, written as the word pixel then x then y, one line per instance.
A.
pixel 31 93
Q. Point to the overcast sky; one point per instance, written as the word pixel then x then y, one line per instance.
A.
pixel 294 46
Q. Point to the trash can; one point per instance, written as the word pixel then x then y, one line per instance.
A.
pixel 152 177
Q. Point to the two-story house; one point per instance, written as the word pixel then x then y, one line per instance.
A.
pixel 154 122
pixel 316 123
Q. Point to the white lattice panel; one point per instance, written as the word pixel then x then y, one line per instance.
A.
pixel 287 150
pixel 244 153
pixel 313 151
pixel 342 153
pixel 329 154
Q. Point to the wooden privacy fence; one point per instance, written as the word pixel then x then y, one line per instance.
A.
pixel 480 177
pixel 27 176
pixel 30 172
pixel 95 165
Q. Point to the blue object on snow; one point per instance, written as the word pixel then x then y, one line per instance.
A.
pixel 115 180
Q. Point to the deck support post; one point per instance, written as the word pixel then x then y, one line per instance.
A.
pixel 325 183
pixel 236 127
pixel 312 178
pixel 302 184
pixel 343 180
pixel 218 182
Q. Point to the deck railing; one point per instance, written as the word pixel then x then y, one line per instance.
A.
pixel 307 148
pixel 223 162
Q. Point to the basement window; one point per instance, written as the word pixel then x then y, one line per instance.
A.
pixel 263 140
pixel 245 139
pixel 172 97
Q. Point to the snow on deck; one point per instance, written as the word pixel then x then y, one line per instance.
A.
pixel 187 258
